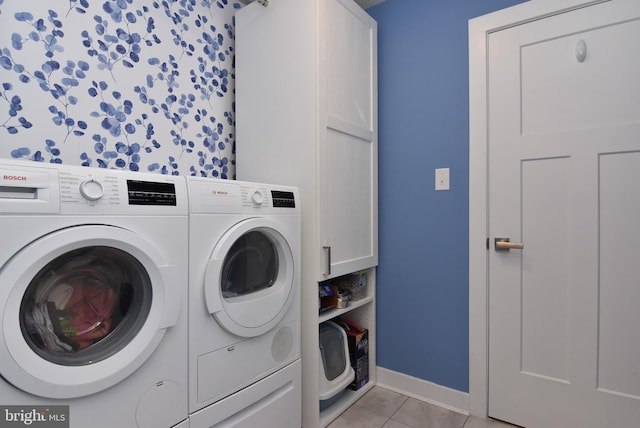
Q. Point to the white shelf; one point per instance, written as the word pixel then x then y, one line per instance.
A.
pixel 326 316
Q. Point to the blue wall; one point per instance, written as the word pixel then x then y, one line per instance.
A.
pixel 423 286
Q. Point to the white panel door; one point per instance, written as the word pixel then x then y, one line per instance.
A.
pixel 348 143
pixel 564 179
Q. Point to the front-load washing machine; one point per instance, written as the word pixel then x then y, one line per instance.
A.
pixel 244 304
pixel 93 284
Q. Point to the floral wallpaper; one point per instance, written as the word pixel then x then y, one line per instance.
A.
pixel 125 84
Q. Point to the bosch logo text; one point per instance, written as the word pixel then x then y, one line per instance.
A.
pixel 14 177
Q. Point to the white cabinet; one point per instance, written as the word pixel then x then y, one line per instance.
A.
pixel 347 136
pixel 306 115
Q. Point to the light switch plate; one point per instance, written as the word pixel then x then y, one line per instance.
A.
pixel 442 178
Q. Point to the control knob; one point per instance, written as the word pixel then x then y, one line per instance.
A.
pixel 91 190
pixel 257 198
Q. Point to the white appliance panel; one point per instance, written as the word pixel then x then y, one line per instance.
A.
pixel 104 249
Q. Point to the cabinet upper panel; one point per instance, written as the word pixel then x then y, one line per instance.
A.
pixel 350 53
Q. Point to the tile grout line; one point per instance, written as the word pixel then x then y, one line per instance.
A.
pixel 406 397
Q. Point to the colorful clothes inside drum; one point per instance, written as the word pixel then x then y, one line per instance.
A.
pixel 86 316
pixel 76 305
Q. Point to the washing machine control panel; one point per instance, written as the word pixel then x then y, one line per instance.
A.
pixel 151 193
pixel 88 188
pixel 30 187
pixel 109 188
pixel 106 188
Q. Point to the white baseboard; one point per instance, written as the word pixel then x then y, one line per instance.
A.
pixel 423 390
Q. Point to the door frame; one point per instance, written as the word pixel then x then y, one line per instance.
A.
pixel 479 30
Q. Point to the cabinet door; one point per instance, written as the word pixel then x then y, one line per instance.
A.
pixel 348 138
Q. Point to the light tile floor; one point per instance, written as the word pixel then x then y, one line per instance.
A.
pixel 382 408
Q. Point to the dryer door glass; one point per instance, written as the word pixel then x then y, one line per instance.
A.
pixel 251 279
pixel 85 305
pixel 251 265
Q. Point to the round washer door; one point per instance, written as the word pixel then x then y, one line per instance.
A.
pixel 83 308
pixel 249 281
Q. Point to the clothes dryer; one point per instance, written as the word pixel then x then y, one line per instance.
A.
pixel 93 284
pixel 244 304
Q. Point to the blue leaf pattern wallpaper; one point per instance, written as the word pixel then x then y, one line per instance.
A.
pixel 125 84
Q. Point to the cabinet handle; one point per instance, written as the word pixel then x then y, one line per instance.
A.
pixel 327 251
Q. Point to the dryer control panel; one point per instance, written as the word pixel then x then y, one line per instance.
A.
pixel 215 196
pixel 258 196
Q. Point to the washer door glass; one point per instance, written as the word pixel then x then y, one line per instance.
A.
pixel 85 305
pixel 250 266
pixel 82 308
